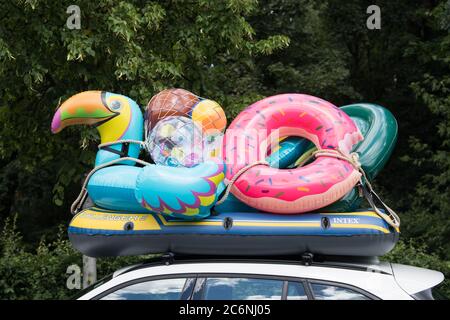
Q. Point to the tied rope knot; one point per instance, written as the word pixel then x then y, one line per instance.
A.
pixel 236 176
pixel 365 186
pixel 353 158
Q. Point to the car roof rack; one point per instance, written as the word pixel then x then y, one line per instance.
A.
pixel 368 264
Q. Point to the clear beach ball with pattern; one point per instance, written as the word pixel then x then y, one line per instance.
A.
pixel 176 141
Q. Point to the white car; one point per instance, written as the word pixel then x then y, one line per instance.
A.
pixel 252 279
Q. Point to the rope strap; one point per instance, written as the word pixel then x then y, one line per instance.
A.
pixel 391 218
pixel 235 177
pixel 366 189
pixel 76 205
pixel 353 159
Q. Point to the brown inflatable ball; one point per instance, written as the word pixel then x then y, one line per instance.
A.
pixel 169 102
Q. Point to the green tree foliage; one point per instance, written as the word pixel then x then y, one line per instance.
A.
pixel 132 47
pixel 233 51
pixel 38 275
pixel 405 67
pixel 315 61
pixel 42 273
pixel 428 218
pixel 381 72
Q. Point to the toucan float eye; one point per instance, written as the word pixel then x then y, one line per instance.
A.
pixel 116 105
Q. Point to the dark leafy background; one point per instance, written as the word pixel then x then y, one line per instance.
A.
pixel 236 52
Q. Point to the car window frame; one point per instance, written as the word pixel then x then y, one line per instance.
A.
pixel 306 282
pixel 196 287
pixel 199 290
pixel 305 285
pixel 189 284
pixel 341 285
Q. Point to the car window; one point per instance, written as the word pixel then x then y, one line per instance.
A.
pixel 163 289
pixel 333 292
pixel 296 291
pixel 242 289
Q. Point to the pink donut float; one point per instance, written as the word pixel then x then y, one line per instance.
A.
pixel 290 191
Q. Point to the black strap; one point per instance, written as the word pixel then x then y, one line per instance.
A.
pixel 372 197
pixel 122 153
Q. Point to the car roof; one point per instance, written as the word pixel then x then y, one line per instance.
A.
pixel 369 264
pixel 368 274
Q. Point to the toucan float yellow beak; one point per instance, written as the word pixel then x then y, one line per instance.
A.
pixel 88 107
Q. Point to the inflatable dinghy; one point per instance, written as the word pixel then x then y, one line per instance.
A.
pixel 98 233
pixel 146 210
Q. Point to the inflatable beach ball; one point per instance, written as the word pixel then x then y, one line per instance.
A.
pixel 177 142
pixel 207 113
pixel 210 115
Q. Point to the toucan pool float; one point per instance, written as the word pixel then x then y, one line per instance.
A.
pixel 285 178
pixel 175 191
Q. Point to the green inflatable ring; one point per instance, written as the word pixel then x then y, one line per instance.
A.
pixel 380 130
